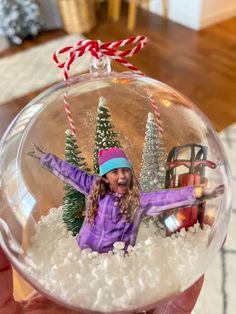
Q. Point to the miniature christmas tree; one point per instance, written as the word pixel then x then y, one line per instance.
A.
pixel 105 136
pixel 19 19
pixel 152 176
pixel 74 201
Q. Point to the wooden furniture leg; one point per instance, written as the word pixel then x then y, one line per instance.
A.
pixel 132 14
pixel 164 9
pixel 114 7
pixel 110 8
pixel 114 10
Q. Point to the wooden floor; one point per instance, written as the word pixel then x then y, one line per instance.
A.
pixel 202 65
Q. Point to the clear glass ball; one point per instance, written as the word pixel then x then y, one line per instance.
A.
pixel 170 144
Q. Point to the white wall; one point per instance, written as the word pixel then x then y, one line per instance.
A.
pixel 214 11
pixel 196 14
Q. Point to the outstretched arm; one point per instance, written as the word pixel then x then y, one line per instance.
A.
pixel 70 174
pixel 154 203
pixel 157 202
pixel 67 172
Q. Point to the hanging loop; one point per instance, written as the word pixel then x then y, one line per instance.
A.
pixel 100 65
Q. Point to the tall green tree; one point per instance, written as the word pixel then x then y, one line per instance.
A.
pixel 152 175
pixel 74 203
pixel 105 134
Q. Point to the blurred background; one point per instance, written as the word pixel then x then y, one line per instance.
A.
pixel 191 47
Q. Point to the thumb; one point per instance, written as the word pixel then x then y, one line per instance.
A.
pixel 6 287
pixel 7 302
pixel 182 303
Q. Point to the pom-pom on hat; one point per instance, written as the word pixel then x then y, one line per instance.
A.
pixel 112 158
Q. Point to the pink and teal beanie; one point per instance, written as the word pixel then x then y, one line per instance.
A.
pixel 112 158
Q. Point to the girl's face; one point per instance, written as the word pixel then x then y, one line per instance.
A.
pixel 119 180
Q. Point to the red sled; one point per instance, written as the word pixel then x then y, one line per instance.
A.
pixel 176 176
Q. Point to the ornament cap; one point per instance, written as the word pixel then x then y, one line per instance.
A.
pixel 100 65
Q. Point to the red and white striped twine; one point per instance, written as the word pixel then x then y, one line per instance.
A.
pixel 68 114
pixel 157 115
pixel 98 49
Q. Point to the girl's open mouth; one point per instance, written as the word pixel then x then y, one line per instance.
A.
pixel 122 187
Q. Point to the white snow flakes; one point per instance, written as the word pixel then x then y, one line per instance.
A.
pixel 152 270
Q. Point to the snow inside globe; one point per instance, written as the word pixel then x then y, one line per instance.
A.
pixel 106 217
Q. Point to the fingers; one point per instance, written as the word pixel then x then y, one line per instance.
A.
pixel 211 193
pixel 32 154
pixel 7 303
pixel 184 302
pixel 37 152
pixel 202 193
pixel 37 303
pixel 187 300
pixel 38 149
pixel 220 190
pixel 4 263
pixel 6 279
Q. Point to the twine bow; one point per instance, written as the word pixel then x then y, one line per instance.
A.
pixel 98 50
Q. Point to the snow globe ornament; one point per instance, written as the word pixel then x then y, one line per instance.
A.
pixel 119 202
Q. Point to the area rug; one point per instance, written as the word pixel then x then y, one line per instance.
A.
pixel 34 68
pixel 4 44
pixel 218 293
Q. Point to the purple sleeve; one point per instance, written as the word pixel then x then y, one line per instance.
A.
pixel 70 174
pixel 154 203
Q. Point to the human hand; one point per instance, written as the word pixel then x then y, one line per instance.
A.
pixel 37 152
pixel 39 304
pixel 203 193
pixel 183 303
pixel 34 304
pixel 198 191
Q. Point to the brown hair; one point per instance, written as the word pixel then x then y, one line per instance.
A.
pixel 128 203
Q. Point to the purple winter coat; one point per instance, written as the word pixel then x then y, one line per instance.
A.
pixel 109 225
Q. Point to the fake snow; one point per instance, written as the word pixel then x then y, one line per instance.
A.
pixel 153 269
